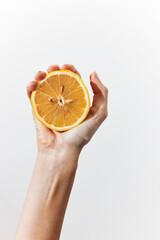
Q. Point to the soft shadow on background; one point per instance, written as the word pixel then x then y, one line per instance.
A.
pixel 116 194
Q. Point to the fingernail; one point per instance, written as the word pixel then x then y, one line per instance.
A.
pixel 38 72
pixel 94 74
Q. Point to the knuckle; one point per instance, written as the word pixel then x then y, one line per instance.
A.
pixel 86 139
pixel 45 143
pixel 104 114
pixel 106 91
pixel 73 67
pixel 38 73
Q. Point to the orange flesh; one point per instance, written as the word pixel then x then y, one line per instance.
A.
pixel 60 100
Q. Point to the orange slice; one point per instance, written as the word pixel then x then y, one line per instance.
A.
pixel 61 100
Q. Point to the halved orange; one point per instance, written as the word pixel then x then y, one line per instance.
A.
pixel 61 101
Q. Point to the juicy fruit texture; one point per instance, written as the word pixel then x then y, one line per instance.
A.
pixel 61 100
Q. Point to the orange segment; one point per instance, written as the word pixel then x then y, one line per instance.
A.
pixel 61 100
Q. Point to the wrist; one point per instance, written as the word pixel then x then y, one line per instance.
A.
pixel 61 159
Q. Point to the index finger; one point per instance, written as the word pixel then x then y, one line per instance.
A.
pixel 71 68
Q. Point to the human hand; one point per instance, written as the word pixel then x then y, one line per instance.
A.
pixel 76 138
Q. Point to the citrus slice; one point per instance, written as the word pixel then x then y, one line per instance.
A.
pixel 61 100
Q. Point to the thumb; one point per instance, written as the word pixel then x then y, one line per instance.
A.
pixel 96 84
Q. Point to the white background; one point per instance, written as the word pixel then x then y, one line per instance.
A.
pixel 116 195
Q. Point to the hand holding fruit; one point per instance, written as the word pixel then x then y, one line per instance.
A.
pixel 75 138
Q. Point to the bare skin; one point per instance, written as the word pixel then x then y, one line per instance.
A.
pixel 56 165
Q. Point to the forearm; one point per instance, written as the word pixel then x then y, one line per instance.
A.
pixel 47 197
